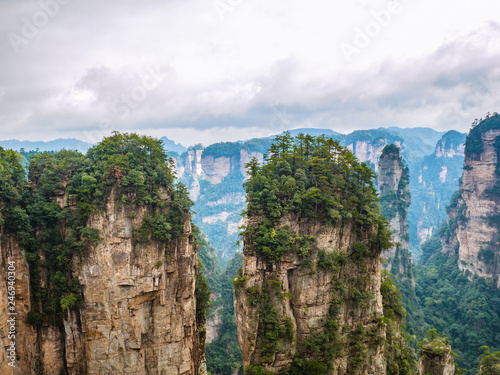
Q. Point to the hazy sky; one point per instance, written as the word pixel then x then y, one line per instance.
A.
pixel 205 71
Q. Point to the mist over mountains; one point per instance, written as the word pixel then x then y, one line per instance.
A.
pixel 214 174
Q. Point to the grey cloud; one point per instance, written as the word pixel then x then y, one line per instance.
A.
pixel 76 72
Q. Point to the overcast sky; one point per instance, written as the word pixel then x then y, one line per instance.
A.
pixel 206 71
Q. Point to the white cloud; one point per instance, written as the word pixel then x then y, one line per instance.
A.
pixel 430 64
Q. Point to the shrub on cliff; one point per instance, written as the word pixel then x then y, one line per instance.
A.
pixel 315 179
pixel 66 187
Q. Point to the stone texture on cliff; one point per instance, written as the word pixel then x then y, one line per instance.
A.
pixel 475 233
pixel 308 293
pixel 139 310
pixel 369 150
pixel 139 313
pixel 394 187
pixel 25 335
pixel 436 359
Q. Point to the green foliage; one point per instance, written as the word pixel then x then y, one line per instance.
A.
pixel 331 261
pixel 135 166
pixel 465 309
pixel 486 255
pixel 315 179
pixel 13 219
pixel 359 251
pixel 490 362
pixel 203 302
pixel 474 143
pixel 391 298
pixel 434 345
pixel 223 149
pixel 66 187
pixel 256 370
pixel 301 366
pixel 273 330
pixel 208 256
pixel 321 347
pixel 69 300
pixel 401 359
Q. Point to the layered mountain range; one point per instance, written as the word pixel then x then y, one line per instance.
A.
pixel 109 278
pixel 214 176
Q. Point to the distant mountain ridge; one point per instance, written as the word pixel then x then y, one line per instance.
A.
pixel 72 144
pixel 54 145
pixel 170 145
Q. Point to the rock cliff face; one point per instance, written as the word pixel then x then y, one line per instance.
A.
pixel 434 180
pixel 450 145
pixel 139 315
pixel 436 358
pixel 394 188
pixel 476 209
pixel 303 298
pixel 368 151
pixel 113 284
pixel 309 297
pixel 139 307
pixel 24 335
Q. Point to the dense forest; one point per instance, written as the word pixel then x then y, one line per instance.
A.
pixel 461 304
pixel 305 177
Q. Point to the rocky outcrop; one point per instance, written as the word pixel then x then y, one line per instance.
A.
pixel 436 358
pixel 213 324
pixel 394 187
pixel 114 284
pixel 422 232
pixel 216 169
pixel 139 315
pixel 14 332
pixel 476 209
pixel 311 297
pixel 369 150
pixel 139 310
pixel 450 145
pixel 302 299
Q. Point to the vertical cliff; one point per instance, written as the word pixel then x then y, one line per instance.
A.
pixel 436 356
pixel 115 283
pixel 311 298
pixel 394 188
pixel 139 312
pixel 458 279
pixel 17 338
pixel 434 180
pixel 476 209
pixel 215 176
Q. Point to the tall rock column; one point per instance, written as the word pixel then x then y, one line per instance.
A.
pixel 115 282
pixel 17 339
pixel 394 187
pixel 476 209
pixel 436 357
pixel 14 307
pixel 139 315
pixel 309 297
